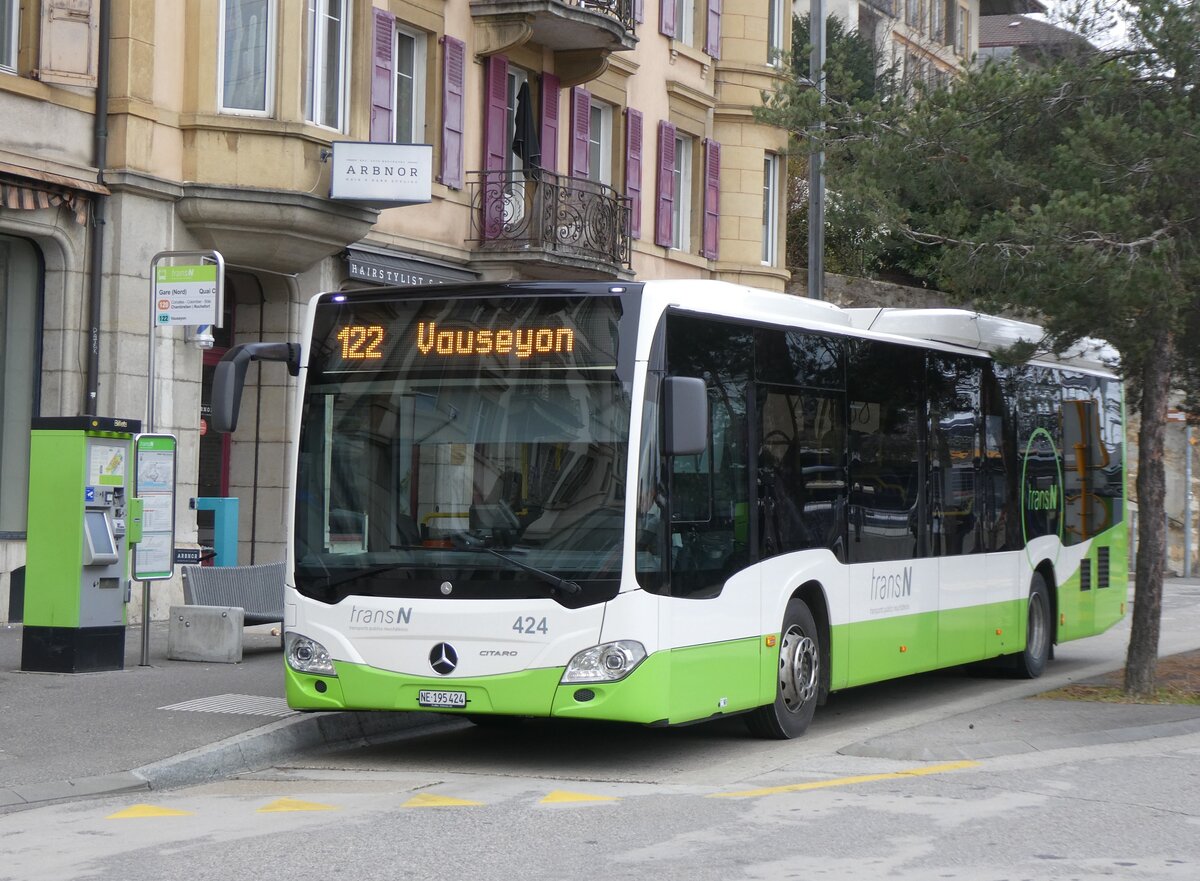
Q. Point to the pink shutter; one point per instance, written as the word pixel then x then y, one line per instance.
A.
pixel 666 184
pixel 712 199
pixel 496 145
pixel 550 90
pixel 633 170
pixel 454 90
pixel 712 40
pixel 667 26
pixel 383 78
pixel 581 129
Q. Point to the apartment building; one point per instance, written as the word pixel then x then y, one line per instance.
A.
pixel 921 40
pixel 568 138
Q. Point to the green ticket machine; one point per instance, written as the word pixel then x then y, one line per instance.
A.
pixel 81 520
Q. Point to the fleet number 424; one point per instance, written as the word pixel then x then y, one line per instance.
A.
pixel 531 626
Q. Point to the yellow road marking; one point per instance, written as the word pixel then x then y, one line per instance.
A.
pixel 285 805
pixel 142 812
pixel 439 801
pixel 562 797
pixel 848 781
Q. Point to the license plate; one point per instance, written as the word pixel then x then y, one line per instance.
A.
pixel 442 698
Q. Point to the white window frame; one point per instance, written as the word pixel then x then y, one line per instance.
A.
pixel 681 207
pixel 268 66
pixel 417 76
pixel 316 77
pixel 10 11
pixel 685 21
pixel 600 136
pixel 775 24
pixel 771 165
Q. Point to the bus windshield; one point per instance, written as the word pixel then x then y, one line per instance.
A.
pixel 462 448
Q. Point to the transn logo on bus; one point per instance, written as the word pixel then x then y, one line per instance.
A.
pixel 892 586
pixel 1042 499
pixel 525 342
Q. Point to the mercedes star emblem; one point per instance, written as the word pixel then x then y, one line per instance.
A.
pixel 443 659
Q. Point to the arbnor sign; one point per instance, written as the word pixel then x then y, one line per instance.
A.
pixel 394 174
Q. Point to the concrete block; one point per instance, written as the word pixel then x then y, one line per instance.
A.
pixel 206 633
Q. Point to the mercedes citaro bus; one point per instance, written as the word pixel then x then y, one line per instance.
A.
pixel 662 502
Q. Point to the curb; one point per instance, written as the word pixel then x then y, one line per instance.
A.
pixel 249 751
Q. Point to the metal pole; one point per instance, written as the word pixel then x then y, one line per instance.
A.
pixel 1187 503
pixel 151 338
pixel 816 161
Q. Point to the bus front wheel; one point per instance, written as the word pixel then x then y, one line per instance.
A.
pixel 1031 662
pixel 798 683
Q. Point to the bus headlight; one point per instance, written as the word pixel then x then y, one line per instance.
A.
pixel 306 655
pixel 605 663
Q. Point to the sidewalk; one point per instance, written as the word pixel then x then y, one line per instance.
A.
pixel 70 735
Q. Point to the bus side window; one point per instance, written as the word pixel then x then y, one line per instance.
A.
pixel 709 493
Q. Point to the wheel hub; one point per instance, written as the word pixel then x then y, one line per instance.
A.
pixel 799 669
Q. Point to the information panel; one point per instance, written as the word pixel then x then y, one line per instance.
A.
pixel 154 484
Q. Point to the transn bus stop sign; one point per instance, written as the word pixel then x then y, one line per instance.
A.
pixel 185 296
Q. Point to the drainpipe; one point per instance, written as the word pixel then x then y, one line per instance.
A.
pixel 99 210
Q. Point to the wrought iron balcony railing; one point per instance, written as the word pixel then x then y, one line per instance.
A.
pixel 573 25
pixel 536 210
pixel 618 10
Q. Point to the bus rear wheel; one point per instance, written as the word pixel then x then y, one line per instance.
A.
pixel 1030 663
pixel 798 684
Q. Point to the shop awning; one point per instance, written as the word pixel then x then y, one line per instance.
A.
pixel 28 189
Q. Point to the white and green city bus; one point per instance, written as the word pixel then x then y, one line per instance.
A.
pixel 668 501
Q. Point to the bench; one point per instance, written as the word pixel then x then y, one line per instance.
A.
pixel 257 589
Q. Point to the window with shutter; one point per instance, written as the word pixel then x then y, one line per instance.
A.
pixel 712 199
pixel 665 202
pixel 549 135
pixel 69 43
pixel 633 170
pixel 581 121
pixel 454 65
pixel 382 74
pixel 712 38
pixel 496 145
pixel 667 22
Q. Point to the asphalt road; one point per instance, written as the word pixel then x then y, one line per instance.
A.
pixel 941 776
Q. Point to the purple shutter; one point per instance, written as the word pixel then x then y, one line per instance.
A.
pixel 712 199
pixel 581 130
pixel 383 78
pixel 496 145
pixel 639 11
pixel 667 26
pixel 712 40
pixel 550 90
pixel 666 184
pixel 454 90
pixel 633 170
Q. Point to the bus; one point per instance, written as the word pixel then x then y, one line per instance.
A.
pixel 664 502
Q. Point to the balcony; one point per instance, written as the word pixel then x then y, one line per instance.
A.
pixel 581 33
pixel 549 223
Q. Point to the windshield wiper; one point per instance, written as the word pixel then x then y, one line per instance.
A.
pixel 568 587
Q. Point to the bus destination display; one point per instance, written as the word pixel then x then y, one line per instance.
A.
pixel 399 335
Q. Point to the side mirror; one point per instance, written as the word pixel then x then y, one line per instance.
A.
pixel 685 405
pixel 230 377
